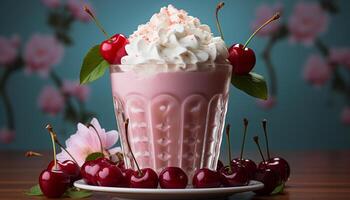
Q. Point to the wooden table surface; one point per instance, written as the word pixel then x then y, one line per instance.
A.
pixel 315 175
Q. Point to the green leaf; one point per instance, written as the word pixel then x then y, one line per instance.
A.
pixel 93 67
pixel 34 191
pixel 252 84
pixel 278 189
pixel 75 193
pixel 94 156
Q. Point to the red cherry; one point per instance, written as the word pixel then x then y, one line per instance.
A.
pixel 113 49
pixel 279 165
pixel 127 175
pixel 206 178
pixel 173 178
pixel 237 176
pixel 270 178
pixel 147 179
pixel 248 164
pixel 53 183
pixel 241 59
pixel 219 165
pixel 111 176
pixel 89 171
pixel 68 167
pixel 233 175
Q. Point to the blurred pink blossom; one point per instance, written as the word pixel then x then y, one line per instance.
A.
pixel 317 71
pixel 51 3
pixel 76 8
pixel 345 116
pixel 73 88
pixel 262 14
pixel 340 56
pixel 85 142
pixel 267 104
pixel 307 22
pixel 41 53
pixel 8 49
pixel 50 100
pixel 7 135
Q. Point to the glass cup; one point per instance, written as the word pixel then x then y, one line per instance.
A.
pixel 175 118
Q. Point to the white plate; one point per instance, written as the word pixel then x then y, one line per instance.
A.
pixel 157 194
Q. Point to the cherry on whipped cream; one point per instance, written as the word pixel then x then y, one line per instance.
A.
pixel 113 48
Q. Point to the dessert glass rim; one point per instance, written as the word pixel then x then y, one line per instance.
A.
pixel 115 68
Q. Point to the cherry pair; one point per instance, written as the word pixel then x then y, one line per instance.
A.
pixel 237 173
pixel 58 176
pixel 68 167
pixel 234 174
pixel 274 171
pixel 102 172
pixel 226 176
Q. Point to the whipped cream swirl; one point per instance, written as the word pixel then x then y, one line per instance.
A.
pixel 175 41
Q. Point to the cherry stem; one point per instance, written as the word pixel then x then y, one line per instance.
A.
pixel 228 127
pixel 256 140
pixel 98 24
pixel 273 18
pixel 53 133
pixel 98 136
pixel 218 7
pixel 245 122
pixel 126 126
pixel 49 128
pixel 264 124
pixel 33 153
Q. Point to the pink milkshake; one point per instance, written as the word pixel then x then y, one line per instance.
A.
pixel 173 86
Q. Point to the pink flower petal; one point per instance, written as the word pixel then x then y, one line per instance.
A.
pixel 317 71
pixel 262 14
pixel 307 22
pixel 41 53
pixel 50 101
pixel 75 7
pixel 111 138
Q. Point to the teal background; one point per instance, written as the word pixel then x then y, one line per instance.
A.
pixel 304 118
